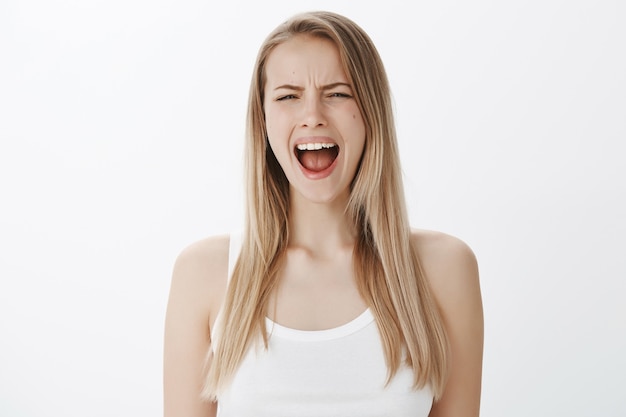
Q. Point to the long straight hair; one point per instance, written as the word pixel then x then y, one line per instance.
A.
pixel 386 264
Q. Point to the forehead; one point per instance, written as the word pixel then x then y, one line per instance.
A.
pixel 304 58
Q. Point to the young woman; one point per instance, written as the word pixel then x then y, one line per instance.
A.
pixel 329 304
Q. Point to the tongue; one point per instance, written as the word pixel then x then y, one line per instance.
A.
pixel 317 160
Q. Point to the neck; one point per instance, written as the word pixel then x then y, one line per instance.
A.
pixel 321 228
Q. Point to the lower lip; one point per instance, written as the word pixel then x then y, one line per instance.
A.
pixel 318 175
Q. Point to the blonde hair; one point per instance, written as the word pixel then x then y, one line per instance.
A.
pixel 386 265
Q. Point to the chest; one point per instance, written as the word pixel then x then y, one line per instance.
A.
pixel 336 372
pixel 315 294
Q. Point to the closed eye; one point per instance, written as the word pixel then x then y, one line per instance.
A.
pixel 341 95
pixel 286 97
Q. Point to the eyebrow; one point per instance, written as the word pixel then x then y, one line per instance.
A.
pixel 324 87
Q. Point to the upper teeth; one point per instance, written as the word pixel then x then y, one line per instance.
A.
pixel 314 146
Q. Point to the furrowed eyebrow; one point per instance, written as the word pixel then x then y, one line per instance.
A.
pixel 334 85
pixel 324 88
pixel 288 87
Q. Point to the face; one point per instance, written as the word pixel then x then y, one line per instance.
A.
pixel 314 125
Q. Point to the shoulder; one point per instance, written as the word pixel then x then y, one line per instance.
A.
pixel 200 272
pixel 451 271
pixel 436 244
pixel 447 261
pixel 204 254
pixel 198 285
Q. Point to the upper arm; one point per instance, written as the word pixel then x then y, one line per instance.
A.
pixel 198 284
pixel 452 272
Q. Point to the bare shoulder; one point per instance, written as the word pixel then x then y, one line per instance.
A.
pixel 202 256
pixel 446 260
pixel 200 272
pixel 451 271
pixel 199 282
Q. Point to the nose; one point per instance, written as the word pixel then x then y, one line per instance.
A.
pixel 313 113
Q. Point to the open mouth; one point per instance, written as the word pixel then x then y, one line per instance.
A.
pixel 316 157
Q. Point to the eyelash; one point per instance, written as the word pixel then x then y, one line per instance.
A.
pixel 287 97
pixel 343 95
pixel 331 95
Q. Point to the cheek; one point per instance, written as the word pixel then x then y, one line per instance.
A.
pixel 276 144
pixel 360 128
pixel 358 125
pixel 272 121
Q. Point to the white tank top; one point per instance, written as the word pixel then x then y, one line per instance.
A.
pixel 337 372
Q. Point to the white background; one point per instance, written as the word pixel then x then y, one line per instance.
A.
pixel 121 126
